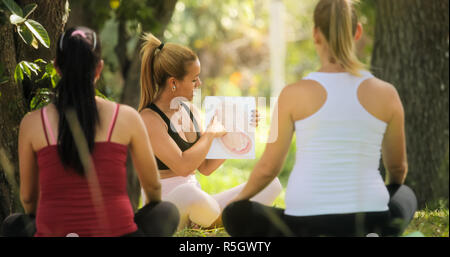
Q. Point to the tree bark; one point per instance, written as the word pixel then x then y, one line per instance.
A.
pixel 13 105
pixel 12 109
pixel 411 51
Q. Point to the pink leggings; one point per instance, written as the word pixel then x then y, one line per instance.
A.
pixel 203 209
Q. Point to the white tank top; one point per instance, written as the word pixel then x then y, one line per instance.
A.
pixel 338 154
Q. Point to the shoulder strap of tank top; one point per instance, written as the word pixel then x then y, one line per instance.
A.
pixel 191 114
pixel 47 127
pixel 113 121
pixel 163 115
pixel 44 126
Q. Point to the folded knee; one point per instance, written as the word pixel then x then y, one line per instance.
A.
pixel 275 186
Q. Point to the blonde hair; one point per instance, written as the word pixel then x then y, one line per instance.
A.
pixel 160 62
pixel 337 20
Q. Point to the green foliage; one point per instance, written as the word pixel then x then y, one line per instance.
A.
pixel 25 68
pixel 38 71
pixel 431 223
pixel 136 13
pixel 30 31
pixel 41 98
pixel 13 7
pixel 38 32
pixel 50 73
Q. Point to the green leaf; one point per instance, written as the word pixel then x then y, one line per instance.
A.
pixel 39 32
pixel 25 69
pixel 25 34
pixel 51 74
pixel 55 80
pixel 32 67
pixel 15 19
pixel 28 9
pixel 99 94
pixel 49 68
pixel 40 61
pixel 13 7
pixel 18 74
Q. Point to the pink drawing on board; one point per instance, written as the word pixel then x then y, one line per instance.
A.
pixel 237 142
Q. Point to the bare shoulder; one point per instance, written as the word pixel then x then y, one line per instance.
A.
pixel 151 117
pixel 31 120
pixel 129 115
pixel 302 99
pixel 129 111
pixel 379 89
pixel 302 89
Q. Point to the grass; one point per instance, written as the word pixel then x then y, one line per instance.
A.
pixel 431 223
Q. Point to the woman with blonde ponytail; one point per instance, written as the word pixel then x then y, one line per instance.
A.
pixel 345 120
pixel 169 75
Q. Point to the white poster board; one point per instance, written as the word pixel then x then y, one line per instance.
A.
pixel 235 113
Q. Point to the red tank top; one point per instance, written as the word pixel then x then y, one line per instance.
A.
pixel 67 202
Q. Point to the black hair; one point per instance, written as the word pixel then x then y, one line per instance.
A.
pixel 77 56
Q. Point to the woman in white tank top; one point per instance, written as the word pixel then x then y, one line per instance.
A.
pixel 345 119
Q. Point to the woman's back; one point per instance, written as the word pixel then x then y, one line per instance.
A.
pixel 85 205
pixel 339 145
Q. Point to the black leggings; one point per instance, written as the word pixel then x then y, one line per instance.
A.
pixel 246 218
pixel 154 219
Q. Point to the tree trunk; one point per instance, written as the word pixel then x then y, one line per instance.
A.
pixel 13 105
pixel 12 109
pixel 411 51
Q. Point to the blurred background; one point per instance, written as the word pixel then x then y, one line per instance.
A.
pixel 231 38
pixel 246 48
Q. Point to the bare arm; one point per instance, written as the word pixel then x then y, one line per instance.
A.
pixel 182 163
pixel 271 162
pixel 29 176
pixel 143 159
pixel 394 146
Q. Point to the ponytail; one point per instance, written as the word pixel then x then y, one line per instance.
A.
pixel 337 20
pixel 149 86
pixel 77 57
pixel 159 63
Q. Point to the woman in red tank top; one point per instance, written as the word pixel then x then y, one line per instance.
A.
pixel 72 156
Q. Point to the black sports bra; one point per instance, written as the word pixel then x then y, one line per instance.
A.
pixel 173 134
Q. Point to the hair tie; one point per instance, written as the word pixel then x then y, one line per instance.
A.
pixel 160 47
pixel 78 32
pixel 94 38
pixel 82 34
pixel 61 41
